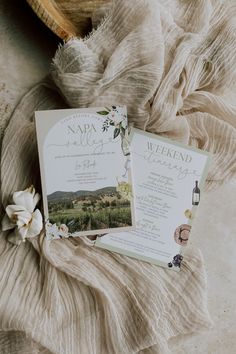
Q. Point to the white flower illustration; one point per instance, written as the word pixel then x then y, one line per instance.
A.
pixel 125 190
pixel 63 230
pixel 117 116
pixel 54 232
pixel 22 216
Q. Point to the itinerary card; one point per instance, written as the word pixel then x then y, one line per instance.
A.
pixel 85 173
pixel 167 181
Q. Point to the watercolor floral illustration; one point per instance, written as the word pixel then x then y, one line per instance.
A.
pixel 22 216
pixel 54 231
pixel 115 117
pixel 125 190
pixel 188 214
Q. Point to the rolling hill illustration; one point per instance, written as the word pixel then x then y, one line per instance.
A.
pixel 60 195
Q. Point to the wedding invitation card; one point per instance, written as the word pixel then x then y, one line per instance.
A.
pixel 167 184
pixel 85 171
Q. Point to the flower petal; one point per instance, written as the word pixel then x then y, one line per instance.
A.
pixel 36 199
pixel 6 223
pixel 36 224
pixel 24 198
pixel 30 189
pixel 11 210
pixel 22 232
pixel 23 218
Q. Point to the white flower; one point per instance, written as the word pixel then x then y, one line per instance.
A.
pixel 27 198
pixel 21 216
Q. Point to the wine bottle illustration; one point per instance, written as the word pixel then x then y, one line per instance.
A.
pixel 196 194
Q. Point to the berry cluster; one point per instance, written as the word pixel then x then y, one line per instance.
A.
pixel 176 261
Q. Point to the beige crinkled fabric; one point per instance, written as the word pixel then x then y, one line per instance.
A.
pixel 171 63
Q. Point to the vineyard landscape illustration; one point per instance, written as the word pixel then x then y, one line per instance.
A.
pixel 89 210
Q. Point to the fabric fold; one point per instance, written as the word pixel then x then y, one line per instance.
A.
pixel 170 63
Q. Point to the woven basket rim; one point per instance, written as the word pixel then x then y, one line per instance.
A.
pixel 54 19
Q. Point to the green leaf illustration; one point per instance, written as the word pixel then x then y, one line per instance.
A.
pixel 116 132
pixel 103 113
pixel 122 130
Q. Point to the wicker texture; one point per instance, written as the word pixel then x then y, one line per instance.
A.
pixel 67 18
